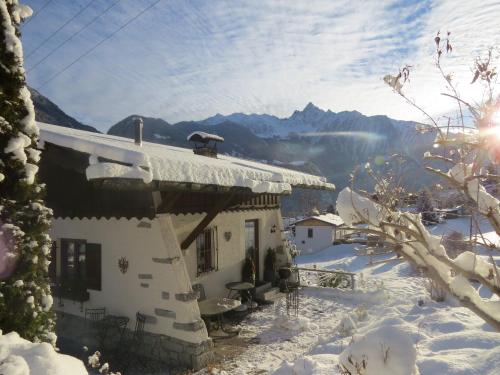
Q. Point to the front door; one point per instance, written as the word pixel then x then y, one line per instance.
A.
pixel 252 243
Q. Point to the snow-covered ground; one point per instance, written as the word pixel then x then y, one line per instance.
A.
pixel 388 325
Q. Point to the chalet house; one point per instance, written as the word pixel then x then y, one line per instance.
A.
pixel 136 225
pixel 318 232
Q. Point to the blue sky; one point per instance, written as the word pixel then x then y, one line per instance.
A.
pixel 188 60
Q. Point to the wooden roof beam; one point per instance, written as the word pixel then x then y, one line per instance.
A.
pixel 219 206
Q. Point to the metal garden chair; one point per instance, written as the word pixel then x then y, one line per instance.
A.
pixel 129 350
pixel 93 326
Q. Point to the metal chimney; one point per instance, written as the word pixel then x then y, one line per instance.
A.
pixel 138 125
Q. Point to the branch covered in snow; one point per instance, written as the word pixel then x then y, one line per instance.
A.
pixel 418 245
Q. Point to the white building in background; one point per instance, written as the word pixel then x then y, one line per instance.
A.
pixel 318 232
pixel 138 225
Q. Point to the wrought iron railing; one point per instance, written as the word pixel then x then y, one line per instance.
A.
pixel 326 278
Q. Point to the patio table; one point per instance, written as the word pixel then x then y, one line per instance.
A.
pixel 241 287
pixel 216 307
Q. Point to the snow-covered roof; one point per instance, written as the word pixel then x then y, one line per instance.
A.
pixel 326 218
pixel 158 162
pixel 204 137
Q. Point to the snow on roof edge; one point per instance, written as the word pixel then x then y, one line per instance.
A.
pixel 326 218
pixel 153 161
pixel 205 137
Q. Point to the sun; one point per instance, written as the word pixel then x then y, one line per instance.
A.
pixel 494 130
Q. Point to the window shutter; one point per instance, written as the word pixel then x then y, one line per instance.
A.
pixel 53 262
pixel 64 260
pixel 93 266
pixel 215 249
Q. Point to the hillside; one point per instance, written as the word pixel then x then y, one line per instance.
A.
pixel 47 111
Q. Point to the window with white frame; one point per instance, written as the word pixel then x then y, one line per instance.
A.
pixel 310 232
pixel 207 251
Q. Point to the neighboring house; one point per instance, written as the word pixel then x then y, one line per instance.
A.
pixel 318 232
pixel 136 225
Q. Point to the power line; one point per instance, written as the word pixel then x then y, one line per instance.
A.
pixel 72 36
pixel 98 44
pixel 37 13
pixel 60 28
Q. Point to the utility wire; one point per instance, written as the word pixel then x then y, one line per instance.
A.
pixel 72 36
pixel 37 13
pixel 98 44
pixel 59 29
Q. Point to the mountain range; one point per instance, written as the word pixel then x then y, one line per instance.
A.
pixel 311 140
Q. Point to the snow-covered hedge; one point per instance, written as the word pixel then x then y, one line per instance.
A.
pixel 22 357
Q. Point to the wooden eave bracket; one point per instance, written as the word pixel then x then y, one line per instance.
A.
pixel 219 206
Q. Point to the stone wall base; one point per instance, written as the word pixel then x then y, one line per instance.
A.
pixel 170 350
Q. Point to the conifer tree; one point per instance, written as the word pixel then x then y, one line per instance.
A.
pixel 25 299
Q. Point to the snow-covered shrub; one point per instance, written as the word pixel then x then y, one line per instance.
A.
pixel 22 357
pixel 94 362
pixel 385 350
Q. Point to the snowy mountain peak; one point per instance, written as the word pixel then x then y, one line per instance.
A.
pixel 305 119
pixel 310 107
pixel 308 120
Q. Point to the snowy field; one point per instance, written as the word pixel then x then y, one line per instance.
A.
pixel 388 325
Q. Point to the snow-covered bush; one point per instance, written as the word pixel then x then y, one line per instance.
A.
pixel 385 350
pixel 22 357
pixel 25 301
pixel 465 154
pixel 94 362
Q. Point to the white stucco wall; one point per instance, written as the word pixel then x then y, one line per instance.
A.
pixel 232 252
pixel 322 238
pixel 122 294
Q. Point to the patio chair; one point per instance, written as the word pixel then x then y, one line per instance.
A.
pixel 127 351
pixel 94 315
pixel 140 321
pixel 93 326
